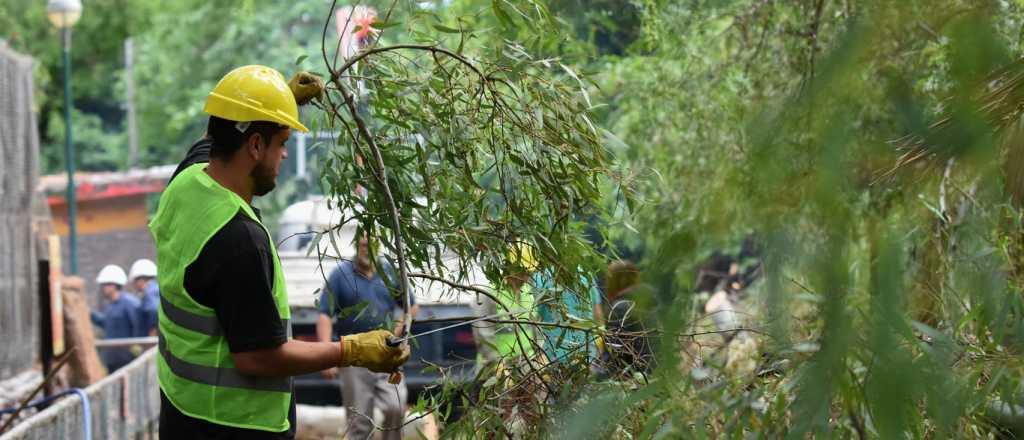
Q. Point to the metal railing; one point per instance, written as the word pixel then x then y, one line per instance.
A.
pixel 124 405
pixel 145 341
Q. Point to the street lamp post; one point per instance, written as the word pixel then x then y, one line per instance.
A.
pixel 63 14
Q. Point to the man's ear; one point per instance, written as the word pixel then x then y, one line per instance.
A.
pixel 253 147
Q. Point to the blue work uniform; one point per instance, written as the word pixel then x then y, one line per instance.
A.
pixel 120 319
pixel 361 304
pixel 149 311
pixel 559 343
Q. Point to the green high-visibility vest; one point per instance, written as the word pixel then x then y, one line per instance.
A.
pixel 194 365
pixel 509 338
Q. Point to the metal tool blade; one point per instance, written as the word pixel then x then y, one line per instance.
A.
pixel 397 341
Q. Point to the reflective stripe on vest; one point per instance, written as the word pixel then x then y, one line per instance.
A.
pixel 220 377
pixel 206 325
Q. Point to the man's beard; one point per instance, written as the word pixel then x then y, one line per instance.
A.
pixel 264 180
pixel 363 263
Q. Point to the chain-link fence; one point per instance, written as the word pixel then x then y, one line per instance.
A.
pixel 124 405
pixel 19 154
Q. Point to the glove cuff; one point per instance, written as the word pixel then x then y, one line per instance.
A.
pixel 346 352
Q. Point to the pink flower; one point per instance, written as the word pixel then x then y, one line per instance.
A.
pixel 364 24
pixel 355 28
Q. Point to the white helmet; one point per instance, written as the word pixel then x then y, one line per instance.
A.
pixel 112 274
pixel 142 268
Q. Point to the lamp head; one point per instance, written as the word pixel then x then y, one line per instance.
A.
pixel 63 13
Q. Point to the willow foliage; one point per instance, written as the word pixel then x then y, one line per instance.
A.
pixel 889 304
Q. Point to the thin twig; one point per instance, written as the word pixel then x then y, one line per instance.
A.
pixel 323 37
pixel 486 293
pixel 423 47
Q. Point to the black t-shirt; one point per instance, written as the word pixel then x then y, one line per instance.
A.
pixel 233 275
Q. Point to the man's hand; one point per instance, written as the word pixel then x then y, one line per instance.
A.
pixel 306 86
pixel 371 351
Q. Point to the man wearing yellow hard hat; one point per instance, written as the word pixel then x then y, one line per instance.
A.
pixel 226 357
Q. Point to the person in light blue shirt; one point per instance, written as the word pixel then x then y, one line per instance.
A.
pixel 143 278
pixel 120 317
pixel 566 307
pixel 150 307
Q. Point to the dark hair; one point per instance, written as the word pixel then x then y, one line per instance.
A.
pixel 227 139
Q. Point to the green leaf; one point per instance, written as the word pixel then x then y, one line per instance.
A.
pixel 446 29
pixel 499 12
pixel 720 25
pixel 300 59
pixel 385 25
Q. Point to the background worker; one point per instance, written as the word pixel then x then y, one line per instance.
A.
pixel 497 341
pixel 627 347
pixel 120 316
pixel 225 354
pixel 143 277
pixel 504 349
pixel 564 306
pixel 351 285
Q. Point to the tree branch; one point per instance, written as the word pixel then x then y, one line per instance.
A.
pixel 425 47
pixel 382 181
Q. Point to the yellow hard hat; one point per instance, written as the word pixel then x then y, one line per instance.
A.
pixel 522 256
pixel 254 93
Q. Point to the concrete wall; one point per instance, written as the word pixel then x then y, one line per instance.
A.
pixel 19 173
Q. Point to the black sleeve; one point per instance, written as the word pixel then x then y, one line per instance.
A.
pixel 234 276
pixel 199 153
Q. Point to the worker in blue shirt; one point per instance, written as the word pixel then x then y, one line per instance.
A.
pixel 120 318
pixel 361 300
pixel 143 278
pixel 564 306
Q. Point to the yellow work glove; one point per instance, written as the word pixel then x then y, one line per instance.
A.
pixel 306 86
pixel 371 351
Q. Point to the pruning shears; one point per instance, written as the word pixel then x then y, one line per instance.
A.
pixel 396 377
